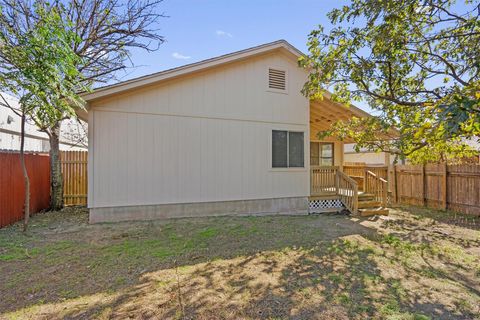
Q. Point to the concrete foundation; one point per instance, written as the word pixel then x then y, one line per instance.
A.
pixel 295 205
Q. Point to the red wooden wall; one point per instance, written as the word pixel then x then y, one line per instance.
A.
pixel 12 190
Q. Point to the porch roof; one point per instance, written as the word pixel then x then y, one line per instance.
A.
pixel 325 112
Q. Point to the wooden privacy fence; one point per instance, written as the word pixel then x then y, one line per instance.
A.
pixel 74 170
pixel 439 186
pixel 12 189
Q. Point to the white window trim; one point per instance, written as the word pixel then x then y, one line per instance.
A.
pixel 290 169
pixel 267 80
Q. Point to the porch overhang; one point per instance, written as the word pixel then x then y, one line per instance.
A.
pixel 325 112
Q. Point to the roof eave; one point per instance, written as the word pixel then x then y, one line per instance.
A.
pixel 188 69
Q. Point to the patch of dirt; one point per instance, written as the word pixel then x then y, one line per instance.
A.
pixel 414 263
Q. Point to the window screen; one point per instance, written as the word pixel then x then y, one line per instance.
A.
pixel 279 149
pixel 327 154
pixel 287 149
pixel 295 149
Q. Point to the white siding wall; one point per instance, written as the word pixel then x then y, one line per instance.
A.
pixel 35 140
pixel 369 158
pixel 198 139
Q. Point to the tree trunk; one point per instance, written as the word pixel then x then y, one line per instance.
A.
pixel 26 209
pixel 56 179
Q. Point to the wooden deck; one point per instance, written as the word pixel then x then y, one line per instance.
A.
pixel 330 183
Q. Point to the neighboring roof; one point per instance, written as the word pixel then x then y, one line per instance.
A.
pixel 190 68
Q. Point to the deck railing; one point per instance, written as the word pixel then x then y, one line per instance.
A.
pixel 330 181
pixel 377 186
pixel 354 171
pixel 347 189
pixel 322 180
pixel 357 171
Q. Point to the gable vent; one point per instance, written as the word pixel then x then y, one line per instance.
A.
pixel 277 79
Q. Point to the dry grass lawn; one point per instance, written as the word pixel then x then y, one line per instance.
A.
pixel 414 264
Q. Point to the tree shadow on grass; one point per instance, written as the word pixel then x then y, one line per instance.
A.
pixel 59 261
pixel 340 280
pixel 429 231
pixel 326 267
pixel 452 218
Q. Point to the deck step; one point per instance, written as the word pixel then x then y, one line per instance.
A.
pixel 372 212
pixel 368 204
pixel 365 197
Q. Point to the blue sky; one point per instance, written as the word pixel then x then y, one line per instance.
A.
pixel 200 29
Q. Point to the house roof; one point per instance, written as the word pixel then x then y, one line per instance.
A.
pixel 190 68
pixel 169 74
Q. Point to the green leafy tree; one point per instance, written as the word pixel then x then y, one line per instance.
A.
pixel 451 152
pixel 38 67
pixel 416 63
pixel 107 30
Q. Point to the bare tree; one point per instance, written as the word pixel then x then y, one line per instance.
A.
pixel 107 31
pixel 22 113
pixel 75 133
pixel 39 70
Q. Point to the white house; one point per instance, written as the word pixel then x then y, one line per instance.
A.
pixel 73 135
pixel 228 135
pixel 366 156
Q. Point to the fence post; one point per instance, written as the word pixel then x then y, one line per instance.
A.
pixel 397 179
pixel 423 185
pixel 394 180
pixel 444 187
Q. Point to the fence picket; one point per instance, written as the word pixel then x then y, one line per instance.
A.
pixel 74 170
pixel 439 186
pixel 12 190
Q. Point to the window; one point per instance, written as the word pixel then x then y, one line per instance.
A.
pixel 279 149
pixel 287 149
pixel 277 79
pixel 295 149
pixel 321 154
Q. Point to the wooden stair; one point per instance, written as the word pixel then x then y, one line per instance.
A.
pixel 367 206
